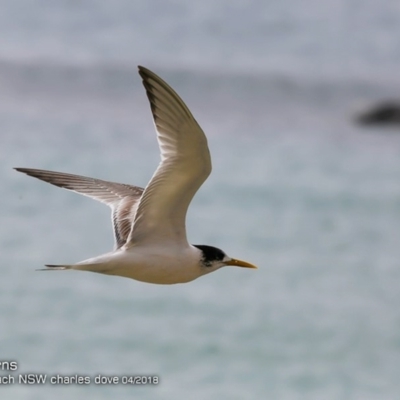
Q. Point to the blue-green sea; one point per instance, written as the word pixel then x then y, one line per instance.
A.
pixel 297 188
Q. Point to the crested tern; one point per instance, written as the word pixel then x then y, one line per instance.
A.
pixel 149 224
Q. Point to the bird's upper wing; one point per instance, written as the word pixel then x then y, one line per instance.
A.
pixel 123 199
pixel 185 165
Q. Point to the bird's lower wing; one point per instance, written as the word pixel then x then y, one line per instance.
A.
pixel 97 189
pixel 123 199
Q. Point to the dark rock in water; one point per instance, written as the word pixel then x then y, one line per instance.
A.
pixel 386 113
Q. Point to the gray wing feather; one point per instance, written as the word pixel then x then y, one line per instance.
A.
pixel 185 165
pixel 122 198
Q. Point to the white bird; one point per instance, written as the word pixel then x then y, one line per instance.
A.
pixel 149 224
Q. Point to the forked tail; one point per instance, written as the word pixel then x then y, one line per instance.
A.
pixel 55 267
pixel 99 267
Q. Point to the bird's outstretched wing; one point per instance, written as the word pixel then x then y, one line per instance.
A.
pixel 123 199
pixel 185 165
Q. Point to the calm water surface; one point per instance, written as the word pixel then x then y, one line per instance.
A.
pixel 296 188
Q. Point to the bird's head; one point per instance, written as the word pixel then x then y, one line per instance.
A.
pixel 213 258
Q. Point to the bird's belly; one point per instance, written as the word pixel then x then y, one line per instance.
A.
pixel 159 269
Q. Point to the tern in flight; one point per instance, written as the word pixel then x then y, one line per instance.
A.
pixel 149 224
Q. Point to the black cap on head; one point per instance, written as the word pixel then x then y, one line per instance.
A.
pixel 210 254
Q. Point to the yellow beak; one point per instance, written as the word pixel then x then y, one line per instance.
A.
pixel 240 263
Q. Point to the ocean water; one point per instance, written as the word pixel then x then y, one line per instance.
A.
pixel 297 188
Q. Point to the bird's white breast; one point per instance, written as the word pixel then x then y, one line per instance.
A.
pixel 164 265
